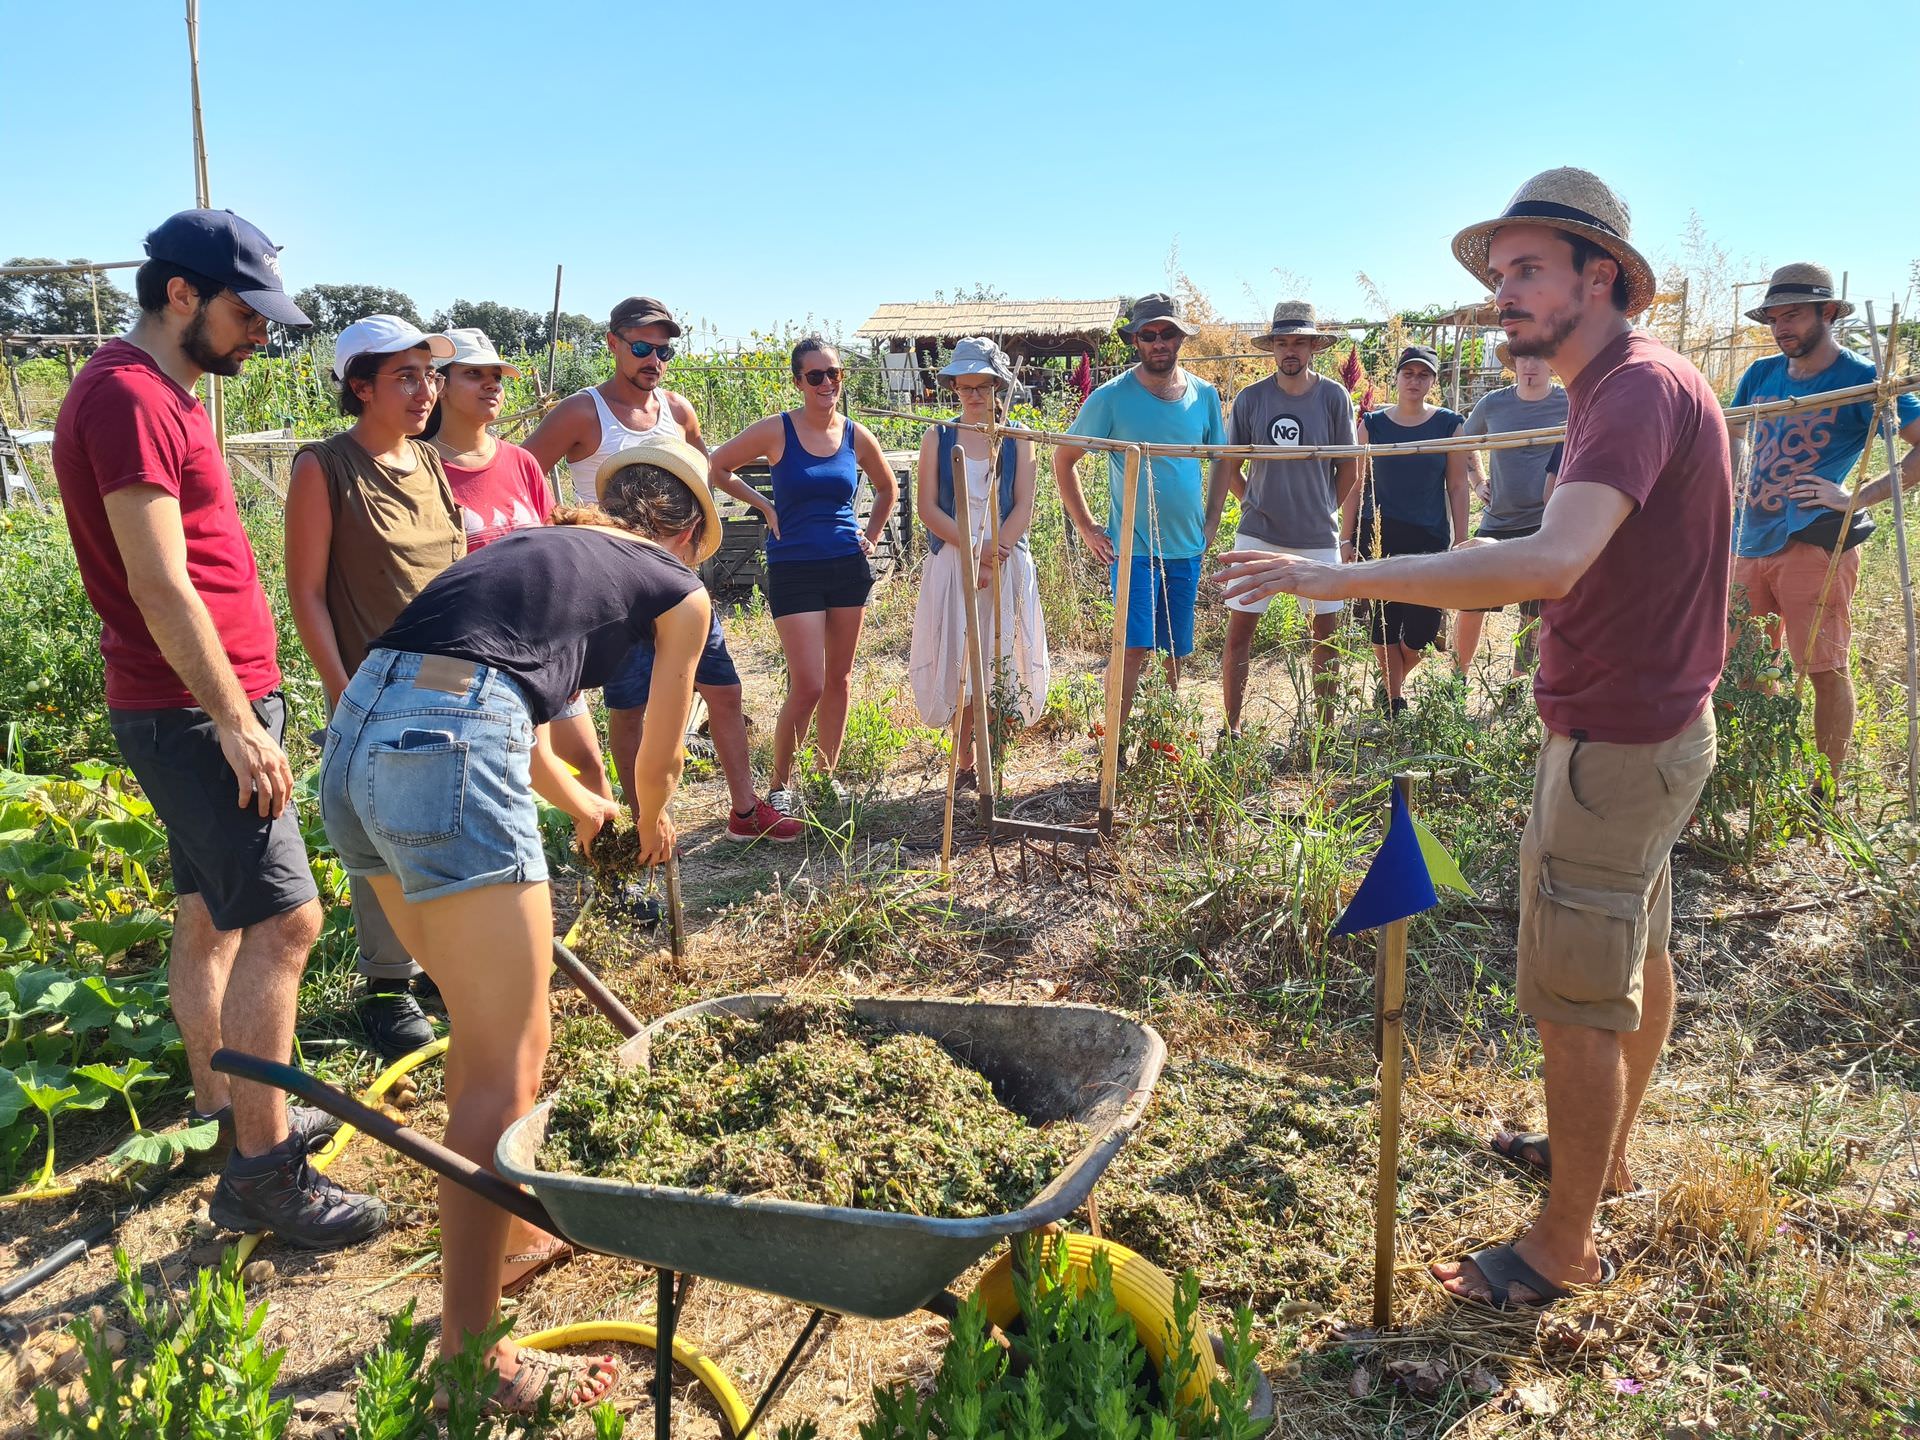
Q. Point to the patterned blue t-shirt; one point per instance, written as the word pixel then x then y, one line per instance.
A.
pixel 1786 448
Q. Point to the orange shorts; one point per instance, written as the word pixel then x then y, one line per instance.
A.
pixel 1788 584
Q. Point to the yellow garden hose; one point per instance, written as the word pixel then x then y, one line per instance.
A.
pixel 1142 1291
pixel 627 1332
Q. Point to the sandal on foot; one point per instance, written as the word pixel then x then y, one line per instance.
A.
pixel 560 1377
pixel 1528 1149
pixel 1502 1268
pixel 554 1253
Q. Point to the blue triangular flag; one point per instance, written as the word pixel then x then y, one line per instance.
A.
pixel 1397 884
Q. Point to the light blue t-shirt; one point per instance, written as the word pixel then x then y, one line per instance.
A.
pixel 1787 448
pixel 1124 409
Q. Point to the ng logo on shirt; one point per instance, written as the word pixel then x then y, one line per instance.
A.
pixel 1285 430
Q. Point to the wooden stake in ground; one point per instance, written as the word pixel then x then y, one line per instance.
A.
pixel 203 198
pixel 553 331
pixel 1390 1000
pixel 1883 363
pixel 1117 655
pixel 995 693
pixel 976 664
pixel 676 913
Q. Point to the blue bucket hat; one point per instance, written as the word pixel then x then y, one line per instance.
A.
pixel 977 355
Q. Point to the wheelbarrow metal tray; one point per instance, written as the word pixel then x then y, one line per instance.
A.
pixel 1046 1062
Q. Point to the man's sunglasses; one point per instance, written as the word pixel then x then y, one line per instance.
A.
pixel 820 377
pixel 643 348
pixel 1159 337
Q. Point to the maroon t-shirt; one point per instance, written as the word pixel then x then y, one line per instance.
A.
pixel 1631 654
pixel 125 422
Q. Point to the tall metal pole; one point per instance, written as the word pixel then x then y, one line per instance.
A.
pixel 202 197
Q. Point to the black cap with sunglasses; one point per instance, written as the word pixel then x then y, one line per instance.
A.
pixel 1150 308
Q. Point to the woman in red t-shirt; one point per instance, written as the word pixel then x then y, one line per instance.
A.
pixel 500 488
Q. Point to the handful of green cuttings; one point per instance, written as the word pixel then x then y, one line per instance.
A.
pixel 807 1102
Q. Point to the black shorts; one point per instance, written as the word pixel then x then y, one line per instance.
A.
pixel 1394 622
pixel 795 587
pixel 244 868
pixel 1529 609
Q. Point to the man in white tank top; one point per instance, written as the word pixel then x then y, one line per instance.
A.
pixel 587 430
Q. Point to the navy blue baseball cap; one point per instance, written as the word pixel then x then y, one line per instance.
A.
pixel 231 252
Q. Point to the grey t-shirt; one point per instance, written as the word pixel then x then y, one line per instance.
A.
pixel 1291 502
pixel 1516 478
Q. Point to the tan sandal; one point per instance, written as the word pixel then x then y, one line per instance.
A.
pixel 555 1253
pixel 572 1384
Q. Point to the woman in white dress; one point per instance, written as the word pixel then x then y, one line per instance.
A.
pixel 1013 631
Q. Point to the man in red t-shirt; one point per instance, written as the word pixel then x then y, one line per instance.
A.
pixel 193 695
pixel 1632 557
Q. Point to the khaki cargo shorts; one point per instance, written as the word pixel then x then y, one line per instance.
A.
pixel 1596 896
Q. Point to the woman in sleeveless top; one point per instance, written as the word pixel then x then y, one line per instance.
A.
pixel 1012 629
pixel 433 758
pixel 500 488
pixel 818 576
pixel 370 520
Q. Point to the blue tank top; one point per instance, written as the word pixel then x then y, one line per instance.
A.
pixel 814 500
pixel 1412 488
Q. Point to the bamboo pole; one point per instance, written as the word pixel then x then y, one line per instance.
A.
pixel 991 700
pixel 1390 1000
pixel 553 331
pixel 202 197
pixel 13 384
pixel 953 780
pixel 976 664
pixel 1881 362
pixel 1117 654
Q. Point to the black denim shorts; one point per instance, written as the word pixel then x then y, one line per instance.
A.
pixel 795 587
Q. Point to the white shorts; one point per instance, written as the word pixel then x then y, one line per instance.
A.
pixel 1325 554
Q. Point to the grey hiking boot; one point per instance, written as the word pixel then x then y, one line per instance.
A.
pixel 309 1124
pixel 280 1192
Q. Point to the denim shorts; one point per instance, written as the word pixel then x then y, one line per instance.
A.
pixel 799 587
pixel 629 689
pixel 427 776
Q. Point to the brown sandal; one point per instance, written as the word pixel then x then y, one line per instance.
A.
pixel 546 1257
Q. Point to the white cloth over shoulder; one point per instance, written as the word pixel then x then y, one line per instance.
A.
pixel 937 664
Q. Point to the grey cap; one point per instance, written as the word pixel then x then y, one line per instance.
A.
pixel 1149 308
pixel 977 355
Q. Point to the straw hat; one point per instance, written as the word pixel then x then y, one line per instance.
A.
pixel 685 464
pixel 1294 317
pixel 1801 283
pixel 977 355
pixel 1578 202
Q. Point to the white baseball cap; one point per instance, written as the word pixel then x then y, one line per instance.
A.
pixel 472 347
pixel 383 335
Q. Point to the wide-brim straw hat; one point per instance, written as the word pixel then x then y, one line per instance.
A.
pixel 1578 202
pixel 1294 317
pixel 1801 283
pixel 685 464
pixel 977 355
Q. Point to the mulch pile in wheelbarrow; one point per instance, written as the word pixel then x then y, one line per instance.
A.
pixel 806 1103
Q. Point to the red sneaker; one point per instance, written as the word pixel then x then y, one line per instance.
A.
pixel 765 823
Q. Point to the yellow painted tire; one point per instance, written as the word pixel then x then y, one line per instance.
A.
pixel 625 1332
pixel 1143 1291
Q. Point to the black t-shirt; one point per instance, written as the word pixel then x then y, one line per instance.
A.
pixel 557 607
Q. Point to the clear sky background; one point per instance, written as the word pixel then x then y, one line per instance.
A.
pixel 764 164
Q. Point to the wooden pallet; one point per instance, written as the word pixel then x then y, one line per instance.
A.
pixel 739 566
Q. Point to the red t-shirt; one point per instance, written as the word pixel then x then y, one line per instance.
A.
pixel 507 493
pixel 1631 654
pixel 125 422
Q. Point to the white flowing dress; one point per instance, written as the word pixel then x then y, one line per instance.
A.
pixel 937 663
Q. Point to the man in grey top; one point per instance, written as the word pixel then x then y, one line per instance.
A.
pixel 1516 492
pixel 1288 506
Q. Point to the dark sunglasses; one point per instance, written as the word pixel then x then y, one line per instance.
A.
pixel 643 348
pixel 820 377
pixel 1159 337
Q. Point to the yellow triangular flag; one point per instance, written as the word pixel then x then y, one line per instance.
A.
pixel 1444 869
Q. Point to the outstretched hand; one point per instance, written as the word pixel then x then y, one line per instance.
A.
pixel 1248 575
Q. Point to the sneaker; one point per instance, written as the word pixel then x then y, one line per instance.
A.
pixel 280 1192
pixel 763 822
pixel 309 1124
pixel 428 993
pixel 393 1019
pixel 784 801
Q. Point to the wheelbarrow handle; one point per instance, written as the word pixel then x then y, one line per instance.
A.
pixel 403 1138
pixel 596 991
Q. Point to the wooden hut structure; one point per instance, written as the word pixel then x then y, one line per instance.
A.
pixel 909 338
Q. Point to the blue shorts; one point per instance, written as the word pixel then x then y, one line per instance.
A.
pixel 629 689
pixel 426 776
pixel 1160 599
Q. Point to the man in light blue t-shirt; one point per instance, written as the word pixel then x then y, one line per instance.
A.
pixel 1155 402
pixel 1795 493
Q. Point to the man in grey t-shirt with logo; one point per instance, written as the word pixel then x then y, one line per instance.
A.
pixel 1287 507
pixel 1516 490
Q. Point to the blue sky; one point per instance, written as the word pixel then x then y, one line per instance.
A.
pixel 758 164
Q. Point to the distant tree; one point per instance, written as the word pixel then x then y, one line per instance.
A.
pixel 59 304
pixel 334 307
pixel 515 330
pixel 978 293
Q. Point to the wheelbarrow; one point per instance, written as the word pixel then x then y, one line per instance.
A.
pixel 1046 1062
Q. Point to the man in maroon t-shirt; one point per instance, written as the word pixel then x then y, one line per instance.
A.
pixel 1632 555
pixel 193 695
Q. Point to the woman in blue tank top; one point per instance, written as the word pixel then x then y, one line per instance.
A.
pixel 817 571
